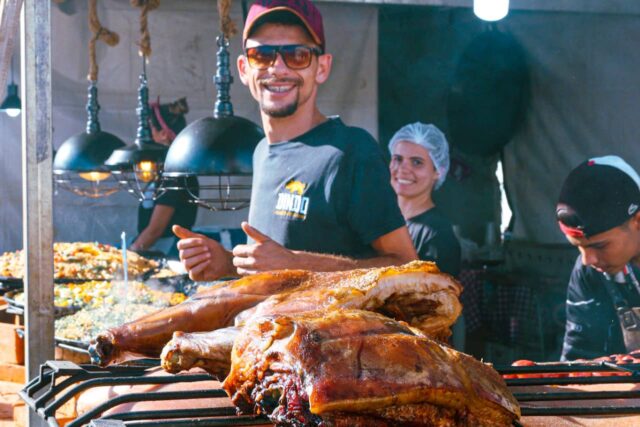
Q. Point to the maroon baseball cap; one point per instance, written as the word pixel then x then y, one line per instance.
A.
pixel 305 10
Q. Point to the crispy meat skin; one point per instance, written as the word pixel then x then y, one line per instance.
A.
pixel 417 293
pixel 301 368
pixel 211 309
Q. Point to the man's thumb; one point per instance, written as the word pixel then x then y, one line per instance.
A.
pixel 183 233
pixel 254 233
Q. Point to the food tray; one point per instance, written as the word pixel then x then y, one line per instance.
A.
pixel 16 307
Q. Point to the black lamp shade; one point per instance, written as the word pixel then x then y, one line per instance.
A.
pixel 127 157
pixel 214 146
pixel 86 152
pixel 12 100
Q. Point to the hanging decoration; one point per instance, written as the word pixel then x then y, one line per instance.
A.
pixel 78 165
pixel 218 149
pixel 139 166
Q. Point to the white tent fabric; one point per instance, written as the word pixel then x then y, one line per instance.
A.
pixel 585 102
pixel 182 64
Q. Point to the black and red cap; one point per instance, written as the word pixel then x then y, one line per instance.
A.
pixel 598 195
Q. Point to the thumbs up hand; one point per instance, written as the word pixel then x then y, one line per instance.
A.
pixel 204 258
pixel 263 255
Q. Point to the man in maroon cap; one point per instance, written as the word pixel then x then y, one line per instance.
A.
pixel 321 198
pixel 599 212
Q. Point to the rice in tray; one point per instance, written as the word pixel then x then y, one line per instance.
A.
pixel 87 323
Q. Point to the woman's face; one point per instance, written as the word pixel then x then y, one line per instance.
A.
pixel 412 170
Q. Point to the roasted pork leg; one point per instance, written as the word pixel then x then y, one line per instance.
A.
pixel 212 309
pixel 208 350
pixel 359 368
pixel 416 292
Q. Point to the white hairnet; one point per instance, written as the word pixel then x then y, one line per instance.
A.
pixel 431 138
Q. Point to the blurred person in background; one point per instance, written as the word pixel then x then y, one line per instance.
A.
pixel 598 211
pixel 156 217
pixel 419 165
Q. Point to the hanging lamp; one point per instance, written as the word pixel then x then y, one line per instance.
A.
pixel 491 10
pixel 138 167
pixel 78 165
pixel 218 149
pixel 11 104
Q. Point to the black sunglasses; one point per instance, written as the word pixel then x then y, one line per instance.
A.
pixel 295 56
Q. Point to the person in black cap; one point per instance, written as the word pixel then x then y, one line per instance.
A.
pixel 156 217
pixel 598 211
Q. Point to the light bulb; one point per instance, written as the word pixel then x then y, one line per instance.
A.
pixel 94 176
pixel 491 10
pixel 12 112
pixel 146 170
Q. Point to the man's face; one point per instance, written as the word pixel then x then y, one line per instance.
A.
pixel 610 251
pixel 412 171
pixel 279 90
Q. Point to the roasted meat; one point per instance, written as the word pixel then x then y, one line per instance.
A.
pixel 208 350
pixel 358 368
pixel 417 293
pixel 209 310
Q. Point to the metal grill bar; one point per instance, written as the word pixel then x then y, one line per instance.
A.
pixel 175 413
pixel 45 396
pixel 569 367
pixel 201 422
pixel 143 397
pixel 592 395
pixel 583 411
pixel 572 380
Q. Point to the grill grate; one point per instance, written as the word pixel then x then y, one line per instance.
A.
pixel 557 374
pixel 59 381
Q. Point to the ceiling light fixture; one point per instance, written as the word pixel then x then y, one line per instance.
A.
pixel 138 167
pixel 11 104
pixel 218 149
pixel 491 10
pixel 78 165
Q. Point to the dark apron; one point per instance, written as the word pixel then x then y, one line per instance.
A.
pixel 628 317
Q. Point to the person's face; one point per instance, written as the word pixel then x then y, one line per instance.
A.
pixel 610 251
pixel 279 90
pixel 412 170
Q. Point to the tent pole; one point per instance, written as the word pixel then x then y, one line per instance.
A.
pixel 37 185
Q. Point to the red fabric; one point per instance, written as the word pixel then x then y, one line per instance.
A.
pixel 303 9
pixel 155 106
pixel 570 231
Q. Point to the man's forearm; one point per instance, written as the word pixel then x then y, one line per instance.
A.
pixel 146 239
pixel 327 262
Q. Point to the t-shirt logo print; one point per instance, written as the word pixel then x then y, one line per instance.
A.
pixel 290 201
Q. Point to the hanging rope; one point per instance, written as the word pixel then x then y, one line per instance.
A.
pixel 99 33
pixel 227 26
pixel 145 39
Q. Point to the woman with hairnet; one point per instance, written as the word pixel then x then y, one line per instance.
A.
pixel 419 165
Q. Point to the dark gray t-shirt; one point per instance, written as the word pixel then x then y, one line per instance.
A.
pixel 433 237
pixel 326 191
